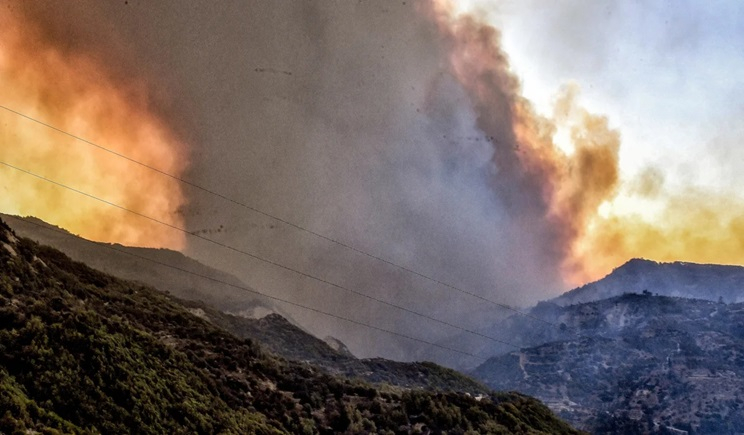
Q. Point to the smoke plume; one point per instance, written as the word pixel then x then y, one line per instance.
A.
pixel 547 191
pixel 561 194
pixel 395 127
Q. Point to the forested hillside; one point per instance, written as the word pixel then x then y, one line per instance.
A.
pixel 83 352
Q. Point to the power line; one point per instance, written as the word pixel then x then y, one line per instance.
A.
pixel 285 222
pixel 257 257
pixel 248 289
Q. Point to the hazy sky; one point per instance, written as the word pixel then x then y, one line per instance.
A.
pixel 667 73
pixel 514 152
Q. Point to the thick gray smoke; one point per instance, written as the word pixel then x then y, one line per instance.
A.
pixel 341 117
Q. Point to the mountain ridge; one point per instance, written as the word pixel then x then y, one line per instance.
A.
pixel 85 352
pixel 157 267
pixel 274 331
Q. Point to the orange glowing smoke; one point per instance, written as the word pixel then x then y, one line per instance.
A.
pixel 48 80
pixel 693 225
pixel 558 195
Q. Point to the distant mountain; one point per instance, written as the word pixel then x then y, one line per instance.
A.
pixel 541 323
pixel 635 363
pixel 85 352
pixel 689 280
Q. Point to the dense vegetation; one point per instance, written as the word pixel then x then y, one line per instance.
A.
pixel 83 352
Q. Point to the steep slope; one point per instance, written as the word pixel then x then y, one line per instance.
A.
pixel 158 268
pixel 688 280
pixel 636 363
pixel 84 352
pixel 272 330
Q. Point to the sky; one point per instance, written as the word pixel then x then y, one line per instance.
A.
pixel 513 150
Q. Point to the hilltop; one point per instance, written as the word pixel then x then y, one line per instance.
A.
pixel 541 324
pixel 679 279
